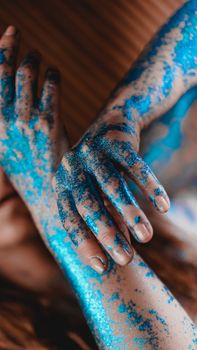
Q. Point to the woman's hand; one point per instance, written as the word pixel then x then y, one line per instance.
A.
pixel 33 139
pixel 31 134
pixel 94 172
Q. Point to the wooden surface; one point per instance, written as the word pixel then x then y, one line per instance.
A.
pixel 92 42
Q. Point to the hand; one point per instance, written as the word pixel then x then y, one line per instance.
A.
pixel 33 139
pixel 91 172
pixel 31 134
pixel 99 164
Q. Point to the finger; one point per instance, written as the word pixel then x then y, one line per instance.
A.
pixel 140 172
pixel 26 84
pixel 84 241
pixel 49 102
pixel 117 217
pixel 150 186
pixel 117 192
pixel 8 53
pixel 91 208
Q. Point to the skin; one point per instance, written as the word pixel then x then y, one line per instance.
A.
pixel 25 261
pixel 115 304
pixel 108 152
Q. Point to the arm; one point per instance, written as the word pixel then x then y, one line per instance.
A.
pixel 91 170
pixel 126 307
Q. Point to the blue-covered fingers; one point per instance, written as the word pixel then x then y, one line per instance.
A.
pixel 116 190
pixel 91 208
pixel 150 186
pixel 9 44
pixel 126 158
pixel 26 85
pixel 49 101
pixel 83 240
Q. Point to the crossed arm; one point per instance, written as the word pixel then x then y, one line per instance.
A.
pixel 115 303
pixel 98 166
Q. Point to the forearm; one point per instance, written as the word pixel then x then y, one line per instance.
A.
pixel 164 71
pixel 126 307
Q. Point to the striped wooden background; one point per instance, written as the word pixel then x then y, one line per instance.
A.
pixel 93 42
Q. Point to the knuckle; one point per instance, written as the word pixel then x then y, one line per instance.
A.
pixel 68 156
pixel 85 146
pixel 105 239
pixel 67 162
pixel 43 124
pixel 21 123
pixel 133 160
pixel 65 159
pixel 65 166
pixel 137 166
pixel 24 71
pixel 62 188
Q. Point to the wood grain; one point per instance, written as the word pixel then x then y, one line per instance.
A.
pixel 92 42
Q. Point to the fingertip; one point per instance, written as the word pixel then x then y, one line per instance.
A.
pixel 10 30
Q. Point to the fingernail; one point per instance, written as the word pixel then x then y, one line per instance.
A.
pixel 143 234
pixel 123 255
pixel 97 264
pixel 163 204
pixel 11 30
